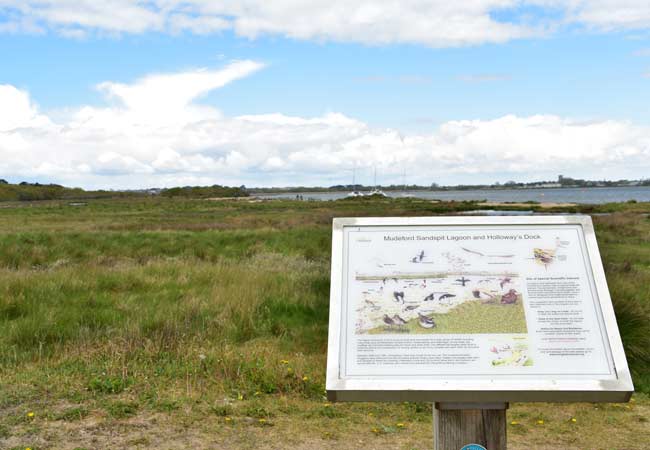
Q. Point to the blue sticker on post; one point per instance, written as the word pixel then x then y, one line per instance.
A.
pixel 473 447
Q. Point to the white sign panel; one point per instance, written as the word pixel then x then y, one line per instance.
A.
pixel 472 309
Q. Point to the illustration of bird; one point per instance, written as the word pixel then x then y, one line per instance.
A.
pixel 463 281
pixel 430 297
pixel 543 256
pixel 426 322
pixel 445 295
pixel 398 320
pixel 509 298
pixel 372 305
pixel 421 255
pixel 398 296
pixel 388 321
pixel 411 307
pixel 505 280
pixel 477 293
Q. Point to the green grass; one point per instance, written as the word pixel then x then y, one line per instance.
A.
pixel 191 311
pixel 470 317
pixel 476 317
pixel 72 414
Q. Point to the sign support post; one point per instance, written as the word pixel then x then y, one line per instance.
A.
pixel 458 424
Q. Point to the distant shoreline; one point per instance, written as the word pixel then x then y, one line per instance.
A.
pixel 513 196
pixel 300 190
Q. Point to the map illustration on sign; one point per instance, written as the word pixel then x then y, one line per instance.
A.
pixel 408 298
pixel 441 303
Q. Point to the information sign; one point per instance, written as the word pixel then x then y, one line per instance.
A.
pixel 472 309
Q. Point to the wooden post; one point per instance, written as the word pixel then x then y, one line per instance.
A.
pixel 458 424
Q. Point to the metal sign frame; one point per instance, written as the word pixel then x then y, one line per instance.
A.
pixel 484 389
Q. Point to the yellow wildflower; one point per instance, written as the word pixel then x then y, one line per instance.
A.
pixel 228 419
pixel 305 378
pixel 400 425
pixel 289 370
pixel 240 397
pixel 375 430
pixel 514 422
pixel 573 419
pixel 30 414
pixel 284 361
pixel 540 422
pixel 262 420
pixel 257 393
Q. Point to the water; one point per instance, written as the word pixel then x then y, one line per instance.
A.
pixel 567 195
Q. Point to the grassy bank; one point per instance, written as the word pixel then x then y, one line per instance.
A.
pixel 165 323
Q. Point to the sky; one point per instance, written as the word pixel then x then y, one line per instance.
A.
pixel 126 94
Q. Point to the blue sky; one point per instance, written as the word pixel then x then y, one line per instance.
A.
pixel 560 89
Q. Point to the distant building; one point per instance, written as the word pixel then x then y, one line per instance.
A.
pixel 542 185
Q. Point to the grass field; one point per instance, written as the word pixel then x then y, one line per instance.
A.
pixel 470 317
pixel 168 323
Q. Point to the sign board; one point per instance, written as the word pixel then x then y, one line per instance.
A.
pixel 472 309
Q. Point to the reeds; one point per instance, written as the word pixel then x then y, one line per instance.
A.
pixel 196 297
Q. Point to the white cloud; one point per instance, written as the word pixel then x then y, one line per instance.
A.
pixel 112 163
pixel 17 110
pixel 436 23
pixel 608 15
pixel 197 24
pixel 157 98
pixel 154 133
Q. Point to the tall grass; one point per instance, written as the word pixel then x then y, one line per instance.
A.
pixel 170 317
pixel 625 246
pixel 197 298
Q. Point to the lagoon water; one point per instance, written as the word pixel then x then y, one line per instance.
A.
pixel 559 195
